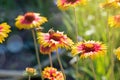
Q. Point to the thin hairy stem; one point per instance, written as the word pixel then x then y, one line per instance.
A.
pixel 51 64
pixel 76 31
pixel 59 61
pixel 29 77
pixel 37 53
pixel 93 70
pixel 76 27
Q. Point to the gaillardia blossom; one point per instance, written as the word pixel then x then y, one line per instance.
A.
pixel 89 49
pixel 52 74
pixel 54 40
pixel 110 4
pixel 4 30
pixel 64 4
pixel 30 71
pixel 45 50
pixel 117 53
pixel 29 20
pixel 114 21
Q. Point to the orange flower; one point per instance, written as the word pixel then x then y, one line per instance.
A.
pixel 52 74
pixel 89 49
pixel 4 30
pixel 30 71
pixel 29 20
pixel 54 40
pixel 64 4
pixel 110 4
pixel 45 50
pixel 114 21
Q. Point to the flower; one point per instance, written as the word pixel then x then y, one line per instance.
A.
pixel 114 21
pixel 110 4
pixel 29 20
pixel 31 71
pixel 89 49
pixel 52 74
pixel 54 40
pixel 45 50
pixel 64 4
pixel 117 53
pixel 4 30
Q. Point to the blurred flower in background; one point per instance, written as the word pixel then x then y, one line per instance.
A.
pixel 4 30
pixel 29 20
pixel 110 4
pixel 114 21
pixel 65 4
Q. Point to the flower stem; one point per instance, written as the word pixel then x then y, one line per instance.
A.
pixel 110 39
pixel 111 54
pixel 29 77
pixel 59 61
pixel 76 31
pixel 37 53
pixel 51 64
pixel 93 70
pixel 76 28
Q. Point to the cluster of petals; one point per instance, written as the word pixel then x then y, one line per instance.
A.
pixel 53 40
pixel 45 50
pixel 31 71
pixel 4 30
pixel 65 4
pixel 29 20
pixel 114 21
pixel 110 4
pixel 89 49
pixel 52 74
pixel 117 53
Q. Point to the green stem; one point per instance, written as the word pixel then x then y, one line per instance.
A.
pixel 93 70
pixel 111 55
pixel 61 67
pixel 29 77
pixel 51 64
pixel 76 28
pixel 110 41
pixel 37 53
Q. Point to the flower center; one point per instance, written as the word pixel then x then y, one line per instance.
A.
pixel 29 17
pixel 55 36
pixel 52 73
pixel 88 48
pixel 71 1
pixel 117 18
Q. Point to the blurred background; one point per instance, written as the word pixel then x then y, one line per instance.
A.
pixel 18 52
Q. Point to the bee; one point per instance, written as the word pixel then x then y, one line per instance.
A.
pixel 39 29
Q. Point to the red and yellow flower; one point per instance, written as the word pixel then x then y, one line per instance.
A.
pixel 29 20
pixel 114 21
pixel 52 74
pixel 30 71
pixel 117 53
pixel 4 30
pixel 54 40
pixel 65 4
pixel 110 4
pixel 45 50
pixel 89 49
